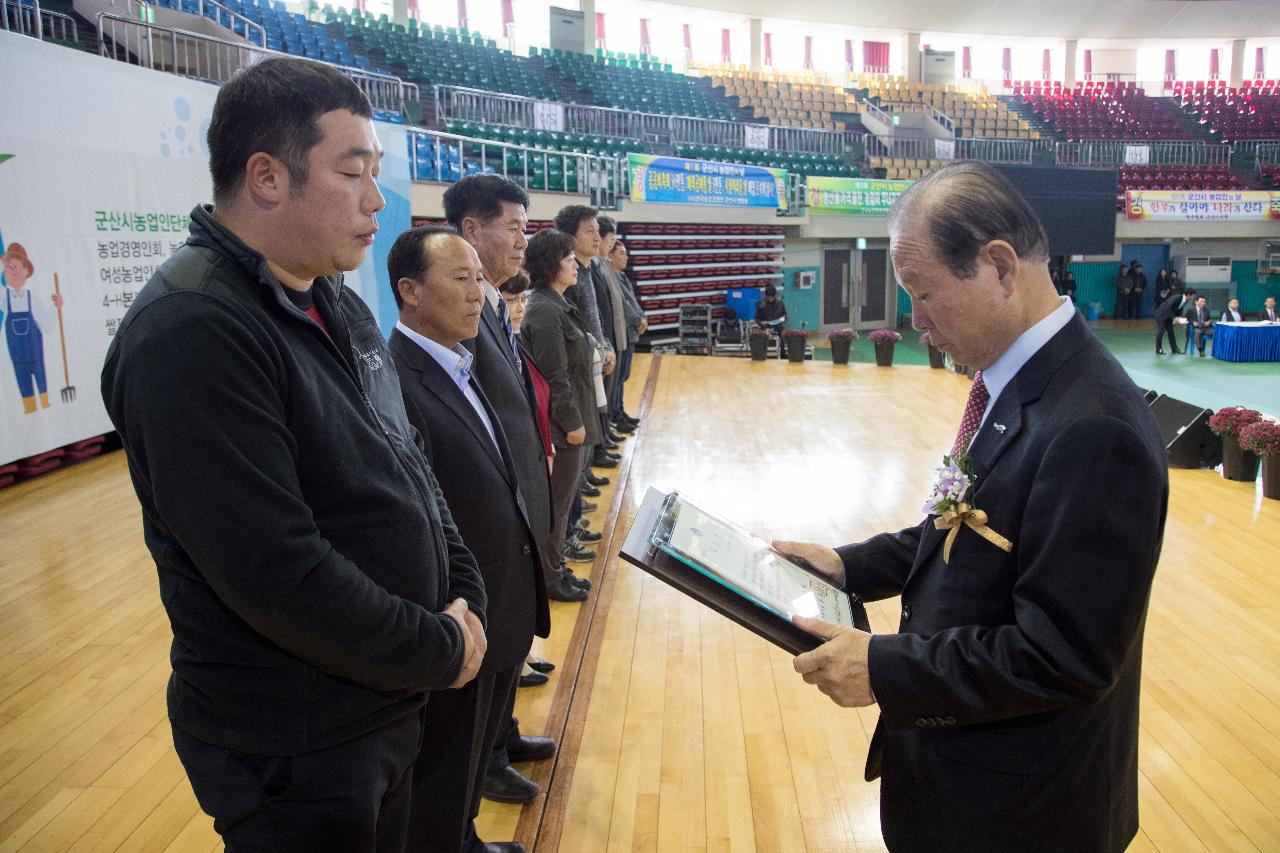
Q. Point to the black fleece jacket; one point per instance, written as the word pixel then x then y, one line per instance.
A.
pixel 303 547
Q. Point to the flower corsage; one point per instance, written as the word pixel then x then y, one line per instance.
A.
pixel 951 501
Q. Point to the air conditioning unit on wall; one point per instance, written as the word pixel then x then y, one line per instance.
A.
pixel 1206 269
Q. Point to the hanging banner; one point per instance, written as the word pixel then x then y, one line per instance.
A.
pixel 95 200
pixel 1202 205
pixel 672 180
pixel 853 196
pixel 548 115
pixel 1137 155
pixel 944 149
pixel 755 136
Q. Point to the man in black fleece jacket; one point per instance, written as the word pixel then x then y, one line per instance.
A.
pixel 315 582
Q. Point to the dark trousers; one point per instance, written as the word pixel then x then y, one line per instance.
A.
pixel 459 728
pixel 1202 334
pixel 623 371
pixel 1165 327
pixel 349 798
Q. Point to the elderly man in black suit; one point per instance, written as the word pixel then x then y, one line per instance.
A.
pixel 435 276
pixel 1009 696
pixel 1199 323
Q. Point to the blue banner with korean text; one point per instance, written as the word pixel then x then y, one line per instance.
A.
pixel 674 180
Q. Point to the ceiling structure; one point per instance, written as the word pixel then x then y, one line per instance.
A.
pixel 1059 19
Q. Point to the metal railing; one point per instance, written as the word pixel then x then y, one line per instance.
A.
pixel 438 156
pixel 1111 153
pixel 228 18
pixel 31 20
pixel 477 105
pixel 899 147
pixel 215 60
pixel 995 150
pixel 1268 153
pixel 940 117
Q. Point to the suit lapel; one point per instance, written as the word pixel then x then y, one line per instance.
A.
pixel 1004 423
pixel 437 383
pixel 490 324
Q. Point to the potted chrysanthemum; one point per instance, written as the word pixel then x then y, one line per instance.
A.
pixel 1237 463
pixel 795 341
pixel 758 342
pixel 884 340
pixel 1263 438
pixel 841 340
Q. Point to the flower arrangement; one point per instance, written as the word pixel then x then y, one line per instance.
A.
pixel 794 333
pixel 846 333
pixel 883 336
pixel 1231 420
pixel 1262 437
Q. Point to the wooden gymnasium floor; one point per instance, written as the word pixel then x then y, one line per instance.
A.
pixel 678 730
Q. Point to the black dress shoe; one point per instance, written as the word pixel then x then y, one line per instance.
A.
pixel 578 555
pixel 610 444
pixel 541 665
pixel 503 847
pixel 562 589
pixel 597 480
pixel 1177 351
pixel 530 748
pixel 602 460
pixel 583 524
pixel 1159 352
pixel 595 535
pixel 624 427
pixel 584 583
pixel 508 786
pixel 590 491
pixel 615 437
pixel 588 506
pixel 532 679
pixel 631 419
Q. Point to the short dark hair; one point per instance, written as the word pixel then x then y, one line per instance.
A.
pixel 571 217
pixel 542 259
pixel 272 107
pixel 607 225
pixel 770 290
pixel 481 196
pixel 515 285
pixel 964 206
pixel 407 259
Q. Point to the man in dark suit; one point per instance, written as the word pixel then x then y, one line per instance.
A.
pixel 1269 313
pixel 1232 314
pixel 1165 313
pixel 490 212
pixel 436 282
pixel 1009 696
pixel 1200 323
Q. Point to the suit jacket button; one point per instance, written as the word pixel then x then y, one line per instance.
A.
pixel 906 613
pixel 524 549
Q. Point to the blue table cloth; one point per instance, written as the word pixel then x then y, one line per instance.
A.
pixel 1246 341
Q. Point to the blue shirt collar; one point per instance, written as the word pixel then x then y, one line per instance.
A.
pixel 456 362
pixel 999 374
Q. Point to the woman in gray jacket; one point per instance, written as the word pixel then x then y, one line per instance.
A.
pixel 557 339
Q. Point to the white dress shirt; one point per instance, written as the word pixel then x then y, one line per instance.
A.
pixel 457 366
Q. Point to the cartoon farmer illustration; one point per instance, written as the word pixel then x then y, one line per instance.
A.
pixel 22 331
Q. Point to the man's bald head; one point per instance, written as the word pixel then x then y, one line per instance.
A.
pixel 963 207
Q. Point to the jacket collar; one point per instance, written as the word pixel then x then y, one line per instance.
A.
pixel 209 232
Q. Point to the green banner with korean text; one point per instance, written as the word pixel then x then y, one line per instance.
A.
pixel 853 196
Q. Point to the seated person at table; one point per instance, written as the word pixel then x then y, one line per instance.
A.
pixel 1200 322
pixel 1269 313
pixel 729 330
pixel 771 313
pixel 1232 314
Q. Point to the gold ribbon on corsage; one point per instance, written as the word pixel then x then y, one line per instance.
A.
pixel 975 519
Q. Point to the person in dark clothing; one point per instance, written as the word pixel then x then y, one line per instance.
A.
pixel 1165 313
pixel 436 278
pixel 771 314
pixel 1199 324
pixel 312 574
pixel 1124 293
pixel 1069 286
pixel 1163 285
pixel 1139 279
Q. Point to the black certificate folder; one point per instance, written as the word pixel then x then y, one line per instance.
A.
pixel 732 571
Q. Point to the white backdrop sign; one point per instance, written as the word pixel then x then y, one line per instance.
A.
pixel 755 136
pixel 548 115
pixel 100 166
pixel 1137 155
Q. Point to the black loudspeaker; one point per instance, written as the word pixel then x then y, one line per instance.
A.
pixel 1185 430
